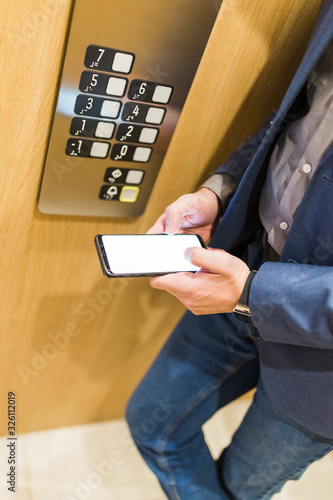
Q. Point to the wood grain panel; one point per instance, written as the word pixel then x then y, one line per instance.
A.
pixel 73 343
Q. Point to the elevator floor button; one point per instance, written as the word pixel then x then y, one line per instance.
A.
pixel 110 109
pixel 99 149
pixel 148 135
pixel 162 94
pixel 104 130
pixel 129 194
pixel 134 177
pixel 116 86
pixel 142 154
pixel 122 63
pixel 155 115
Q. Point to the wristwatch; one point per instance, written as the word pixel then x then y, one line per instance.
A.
pixel 242 307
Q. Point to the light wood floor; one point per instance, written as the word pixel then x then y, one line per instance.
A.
pixel 100 462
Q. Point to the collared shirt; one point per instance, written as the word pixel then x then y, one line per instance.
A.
pixel 294 159
pixel 297 154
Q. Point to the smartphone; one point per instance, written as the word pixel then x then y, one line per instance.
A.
pixel 129 255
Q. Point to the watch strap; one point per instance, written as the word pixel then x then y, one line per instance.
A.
pixel 243 304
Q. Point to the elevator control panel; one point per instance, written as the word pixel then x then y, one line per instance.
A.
pixel 128 68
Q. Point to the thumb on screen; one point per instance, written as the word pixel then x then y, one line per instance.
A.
pixel 212 259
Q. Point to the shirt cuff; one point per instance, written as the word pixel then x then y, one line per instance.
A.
pixel 223 185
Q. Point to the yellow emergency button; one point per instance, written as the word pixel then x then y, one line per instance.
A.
pixel 129 194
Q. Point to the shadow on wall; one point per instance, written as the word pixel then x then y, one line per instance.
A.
pixel 85 363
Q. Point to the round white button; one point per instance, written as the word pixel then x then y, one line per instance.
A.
pixel 284 225
pixel 307 168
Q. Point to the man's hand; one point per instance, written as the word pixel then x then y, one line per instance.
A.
pixel 216 288
pixel 191 213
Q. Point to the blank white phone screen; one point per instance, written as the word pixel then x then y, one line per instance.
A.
pixel 145 254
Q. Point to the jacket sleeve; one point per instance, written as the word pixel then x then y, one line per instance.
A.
pixel 237 163
pixel 293 304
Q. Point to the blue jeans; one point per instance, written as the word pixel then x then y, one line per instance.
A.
pixel 208 362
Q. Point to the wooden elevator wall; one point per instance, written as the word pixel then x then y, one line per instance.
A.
pixel 74 344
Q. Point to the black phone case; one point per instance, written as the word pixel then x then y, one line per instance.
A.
pixel 106 269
